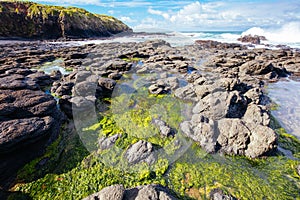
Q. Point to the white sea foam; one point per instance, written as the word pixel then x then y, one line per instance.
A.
pixel 288 34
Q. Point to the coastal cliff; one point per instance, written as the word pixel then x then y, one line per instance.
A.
pixel 37 21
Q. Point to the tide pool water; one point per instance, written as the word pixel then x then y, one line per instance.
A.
pixel 287 95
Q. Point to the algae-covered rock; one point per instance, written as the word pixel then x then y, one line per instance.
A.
pixel 32 20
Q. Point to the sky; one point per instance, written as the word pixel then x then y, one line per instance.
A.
pixel 187 15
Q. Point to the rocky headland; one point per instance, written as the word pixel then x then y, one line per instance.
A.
pixel 24 19
pixel 208 95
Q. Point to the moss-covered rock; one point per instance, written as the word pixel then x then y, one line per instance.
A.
pixel 37 21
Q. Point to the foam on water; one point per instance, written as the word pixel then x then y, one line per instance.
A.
pixel 288 34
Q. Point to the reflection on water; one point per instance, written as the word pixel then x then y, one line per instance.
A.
pixel 287 95
pixel 56 65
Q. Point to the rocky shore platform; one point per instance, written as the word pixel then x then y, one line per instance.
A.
pixel 160 122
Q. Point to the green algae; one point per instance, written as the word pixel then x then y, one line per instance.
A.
pixel 62 155
pixel 192 176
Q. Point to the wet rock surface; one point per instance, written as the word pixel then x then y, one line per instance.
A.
pixel 29 118
pixel 223 83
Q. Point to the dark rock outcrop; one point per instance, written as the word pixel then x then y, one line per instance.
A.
pixel 32 20
pixel 253 39
pixel 29 119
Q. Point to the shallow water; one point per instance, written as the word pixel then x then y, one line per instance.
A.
pixel 55 65
pixel 286 94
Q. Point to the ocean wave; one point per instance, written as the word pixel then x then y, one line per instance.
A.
pixel 288 33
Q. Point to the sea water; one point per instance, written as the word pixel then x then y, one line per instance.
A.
pixel 286 94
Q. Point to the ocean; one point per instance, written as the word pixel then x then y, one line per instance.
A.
pixel 287 34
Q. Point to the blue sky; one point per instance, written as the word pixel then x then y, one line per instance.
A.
pixel 193 15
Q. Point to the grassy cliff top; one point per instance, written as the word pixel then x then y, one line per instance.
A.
pixel 32 9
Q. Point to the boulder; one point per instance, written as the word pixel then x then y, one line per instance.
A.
pixel 186 93
pixel 218 194
pixel 145 192
pixel 157 89
pixel 256 67
pixel 263 140
pixel 107 142
pixel 84 89
pixel 115 192
pixel 164 129
pixel 220 104
pixel 141 151
pixel 253 39
pixel 233 136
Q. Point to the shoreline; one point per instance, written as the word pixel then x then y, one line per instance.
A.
pixel 227 76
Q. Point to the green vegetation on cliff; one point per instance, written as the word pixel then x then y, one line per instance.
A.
pixel 31 20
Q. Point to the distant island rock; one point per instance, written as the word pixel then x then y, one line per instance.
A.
pixel 253 39
pixel 36 21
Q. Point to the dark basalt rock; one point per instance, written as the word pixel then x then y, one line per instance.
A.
pixel 29 119
pixel 253 39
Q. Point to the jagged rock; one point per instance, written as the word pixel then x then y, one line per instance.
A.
pixel 218 194
pixel 145 192
pixel 186 93
pixel 65 105
pixel 115 192
pixel 221 104
pixel 115 76
pixel 116 65
pixel 164 129
pixel 253 39
pixel 84 89
pixel 254 95
pixel 233 136
pixel 257 114
pixel 158 89
pixel 17 82
pixel 56 75
pixel 209 44
pixel 141 151
pixel 107 85
pixel 62 88
pixel 201 130
pixel 106 143
pixel 263 140
pixel 256 67
pixel 83 104
pixel 82 76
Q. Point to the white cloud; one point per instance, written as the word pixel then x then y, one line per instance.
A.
pixel 111 12
pixel 158 12
pixel 127 19
pixel 229 14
